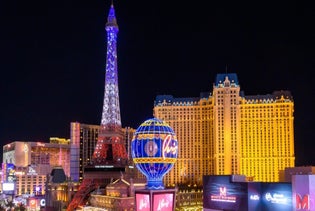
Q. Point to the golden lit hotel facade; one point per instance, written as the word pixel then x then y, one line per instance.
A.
pixel 226 132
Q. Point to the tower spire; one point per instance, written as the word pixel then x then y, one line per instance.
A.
pixel 110 146
pixel 111 109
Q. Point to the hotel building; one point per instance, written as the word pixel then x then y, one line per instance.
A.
pixel 33 161
pixel 83 138
pixel 24 154
pixel 226 132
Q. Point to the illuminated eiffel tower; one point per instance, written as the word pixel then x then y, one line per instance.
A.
pixel 110 147
pixel 110 157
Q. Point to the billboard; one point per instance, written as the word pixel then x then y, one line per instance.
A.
pixel 8 170
pixel 276 196
pixel 221 194
pixel 8 188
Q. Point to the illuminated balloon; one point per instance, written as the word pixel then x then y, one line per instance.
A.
pixel 154 150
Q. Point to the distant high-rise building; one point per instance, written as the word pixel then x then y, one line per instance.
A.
pixel 83 139
pixel 33 161
pixel 24 154
pixel 226 132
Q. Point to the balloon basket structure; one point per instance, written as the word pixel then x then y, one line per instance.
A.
pixel 155 200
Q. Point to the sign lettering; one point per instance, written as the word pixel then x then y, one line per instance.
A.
pixel 302 202
pixel 167 148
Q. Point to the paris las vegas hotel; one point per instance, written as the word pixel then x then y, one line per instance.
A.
pixel 228 133
pixel 220 133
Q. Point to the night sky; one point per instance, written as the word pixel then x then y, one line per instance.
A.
pixel 53 57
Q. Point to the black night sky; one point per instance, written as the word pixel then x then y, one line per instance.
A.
pixel 53 56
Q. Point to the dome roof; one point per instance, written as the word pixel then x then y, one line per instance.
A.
pixel 154 126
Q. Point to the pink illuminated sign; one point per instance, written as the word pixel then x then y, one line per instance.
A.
pixel 142 202
pixel 163 202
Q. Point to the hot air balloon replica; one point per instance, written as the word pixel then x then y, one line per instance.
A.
pixel 154 151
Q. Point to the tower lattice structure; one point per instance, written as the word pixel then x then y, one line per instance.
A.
pixel 110 147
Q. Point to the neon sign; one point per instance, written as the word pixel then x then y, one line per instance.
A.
pixel 33 203
pixel 31 171
pixel 42 202
pixel 223 196
pixel 163 202
pixel 143 202
pixel 167 148
pixel 302 202
pixel 154 151
pixel 276 198
pixel 254 197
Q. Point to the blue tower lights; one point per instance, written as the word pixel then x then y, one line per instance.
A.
pixel 111 109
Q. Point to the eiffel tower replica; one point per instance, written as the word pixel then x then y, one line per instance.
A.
pixel 111 148
pixel 110 158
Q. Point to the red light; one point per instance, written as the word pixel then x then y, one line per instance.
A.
pixel 33 203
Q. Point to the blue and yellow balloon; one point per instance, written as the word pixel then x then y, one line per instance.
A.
pixel 154 150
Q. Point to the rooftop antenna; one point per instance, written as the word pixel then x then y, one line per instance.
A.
pixel 226 67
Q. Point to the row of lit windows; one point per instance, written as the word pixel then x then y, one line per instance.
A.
pixel 247 108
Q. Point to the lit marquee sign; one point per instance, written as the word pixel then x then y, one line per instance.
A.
pixel 223 197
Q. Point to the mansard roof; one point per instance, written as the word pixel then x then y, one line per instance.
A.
pixel 220 78
pixel 274 96
pixel 171 99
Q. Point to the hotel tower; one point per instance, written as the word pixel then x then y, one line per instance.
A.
pixel 226 132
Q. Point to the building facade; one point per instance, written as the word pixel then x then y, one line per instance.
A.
pixel 299 170
pixel 225 132
pixel 24 154
pixel 30 180
pixel 83 139
pixel 32 162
